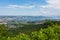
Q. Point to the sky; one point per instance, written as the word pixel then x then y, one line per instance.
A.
pixel 30 7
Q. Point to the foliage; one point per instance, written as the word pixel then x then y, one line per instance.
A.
pixel 52 32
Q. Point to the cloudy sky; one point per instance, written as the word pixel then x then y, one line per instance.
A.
pixel 30 7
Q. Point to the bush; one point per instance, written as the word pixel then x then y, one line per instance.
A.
pixel 49 33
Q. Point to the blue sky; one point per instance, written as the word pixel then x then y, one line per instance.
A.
pixel 30 7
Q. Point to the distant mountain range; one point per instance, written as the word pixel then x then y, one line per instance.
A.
pixel 29 18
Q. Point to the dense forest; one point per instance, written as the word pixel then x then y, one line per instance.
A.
pixel 50 30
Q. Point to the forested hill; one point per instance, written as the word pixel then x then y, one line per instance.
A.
pixel 50 30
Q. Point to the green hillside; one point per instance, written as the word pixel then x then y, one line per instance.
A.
pixel 50 30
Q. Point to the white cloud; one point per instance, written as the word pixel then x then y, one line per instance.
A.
pixel 18 6
pixel 51 9
pixel 52 3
